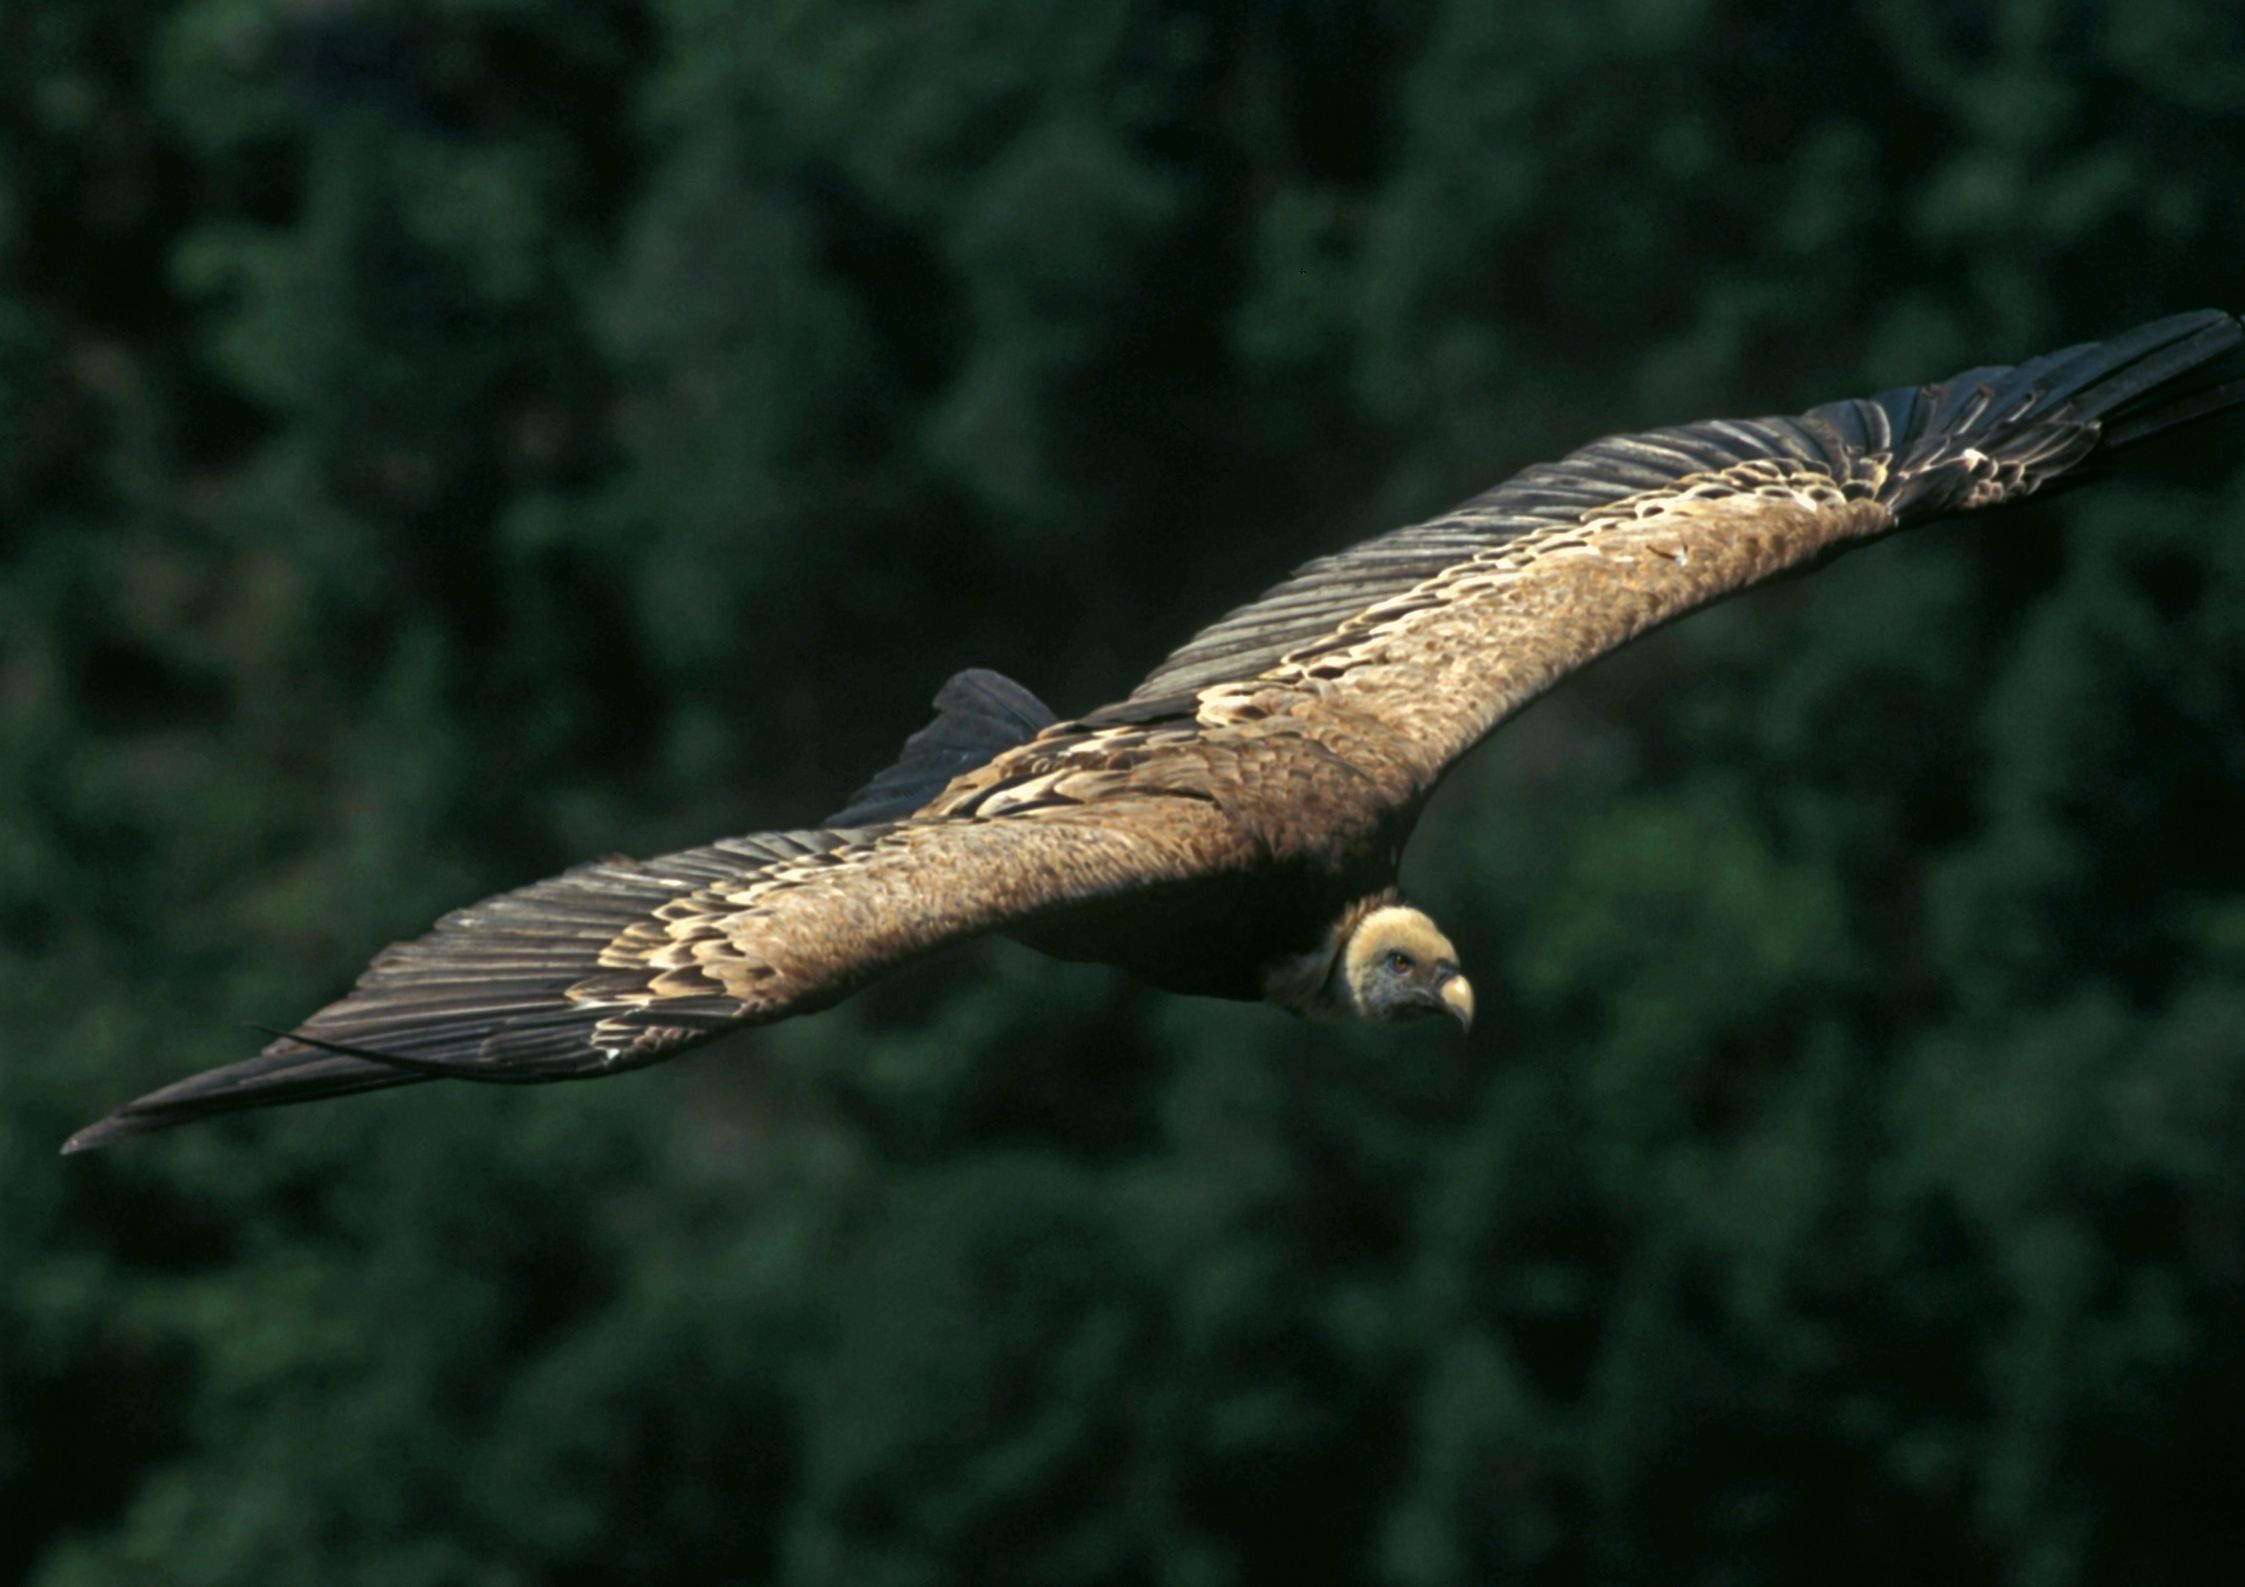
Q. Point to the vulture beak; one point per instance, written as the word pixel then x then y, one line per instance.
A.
pixel 1457 997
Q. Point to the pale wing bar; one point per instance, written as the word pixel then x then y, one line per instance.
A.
pixel 497 971
pixel 1490 636
pixel 619 964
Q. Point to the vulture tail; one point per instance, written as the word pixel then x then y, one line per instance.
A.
pixel 978 714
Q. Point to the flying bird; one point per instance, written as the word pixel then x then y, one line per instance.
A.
pixel 1233 828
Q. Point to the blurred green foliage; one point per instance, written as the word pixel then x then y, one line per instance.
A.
pixel 442 439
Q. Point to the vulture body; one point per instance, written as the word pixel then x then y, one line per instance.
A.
pixel 1233 828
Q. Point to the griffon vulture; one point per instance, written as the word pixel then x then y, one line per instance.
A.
pixel 1231 829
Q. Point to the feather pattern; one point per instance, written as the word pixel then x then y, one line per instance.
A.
pixel 1208 832
pixel 1443 629
pixel 618 964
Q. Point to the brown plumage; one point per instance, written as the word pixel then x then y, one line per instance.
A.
pixel 1232 828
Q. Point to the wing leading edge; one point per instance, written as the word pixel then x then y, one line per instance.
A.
pixel 620 964
pixel 1443 629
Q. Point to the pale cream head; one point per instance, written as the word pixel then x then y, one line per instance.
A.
pixel 1397 967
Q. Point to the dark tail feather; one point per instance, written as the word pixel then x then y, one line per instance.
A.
pixel 978 714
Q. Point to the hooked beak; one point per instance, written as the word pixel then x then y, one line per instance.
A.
pixel 1457 997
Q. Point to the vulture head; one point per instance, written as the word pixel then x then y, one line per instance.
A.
pixel 1396 967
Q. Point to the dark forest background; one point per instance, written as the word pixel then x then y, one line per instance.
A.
pixel 443 441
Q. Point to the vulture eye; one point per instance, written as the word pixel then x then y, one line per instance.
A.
pixel 1401 963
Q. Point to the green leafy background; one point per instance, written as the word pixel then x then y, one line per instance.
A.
pixel 444 439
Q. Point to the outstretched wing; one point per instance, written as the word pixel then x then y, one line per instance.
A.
pixel 619 964
pixel 1444 629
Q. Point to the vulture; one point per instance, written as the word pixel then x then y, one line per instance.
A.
pixel 1233 828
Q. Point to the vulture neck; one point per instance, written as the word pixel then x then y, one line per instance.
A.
pixel 1311 984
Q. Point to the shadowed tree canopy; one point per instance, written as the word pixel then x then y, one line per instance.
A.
pixel 442 442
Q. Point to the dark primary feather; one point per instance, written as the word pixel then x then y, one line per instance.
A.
pixel 482 995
